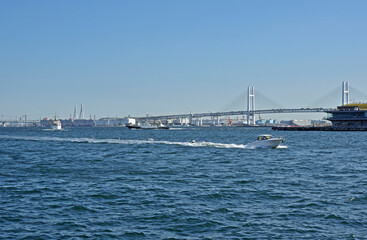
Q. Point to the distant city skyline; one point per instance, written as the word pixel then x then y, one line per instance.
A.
pixel 169 57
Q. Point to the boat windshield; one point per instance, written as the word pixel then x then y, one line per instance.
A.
pixel 264 137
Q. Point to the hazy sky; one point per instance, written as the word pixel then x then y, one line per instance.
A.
pixel 166 57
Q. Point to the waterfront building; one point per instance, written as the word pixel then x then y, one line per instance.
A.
pixel 83 123
pixel 296 122
pixel 349 116
pixel 103 122
pixel 266 122
pixel 114 122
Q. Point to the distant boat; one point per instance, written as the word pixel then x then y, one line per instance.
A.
pixel 162 126
pixel 56 124
pixel 266 140
pixel 146 126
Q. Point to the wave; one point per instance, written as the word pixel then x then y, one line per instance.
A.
pixel 132 142
pixel 55 130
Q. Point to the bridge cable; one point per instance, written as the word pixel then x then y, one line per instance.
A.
pixel 357 96
pixel 237 103
pixel 329 100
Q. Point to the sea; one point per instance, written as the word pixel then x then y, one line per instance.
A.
pixel 181 183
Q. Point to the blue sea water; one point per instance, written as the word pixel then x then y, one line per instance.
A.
pixel 115 183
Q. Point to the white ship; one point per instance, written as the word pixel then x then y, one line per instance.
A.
pixel 56 124
pixel 146 126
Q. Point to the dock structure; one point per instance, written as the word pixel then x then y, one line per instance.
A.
pixel 348 117
pixel 311 128
pixel 20 123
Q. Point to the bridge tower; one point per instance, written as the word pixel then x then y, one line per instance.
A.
pixel 250 105
pixel 345 91
pixel 81 115
pixel 74 116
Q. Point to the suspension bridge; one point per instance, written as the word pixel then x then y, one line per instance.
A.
pixel 249 113
pixel 235 108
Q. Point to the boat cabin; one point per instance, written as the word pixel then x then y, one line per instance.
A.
pixel 264 137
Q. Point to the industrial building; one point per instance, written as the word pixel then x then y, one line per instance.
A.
pixel 103 122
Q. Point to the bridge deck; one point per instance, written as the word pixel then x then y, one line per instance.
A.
pixel 233 113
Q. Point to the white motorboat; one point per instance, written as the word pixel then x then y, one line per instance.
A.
pixel 265 141
pixel 56 124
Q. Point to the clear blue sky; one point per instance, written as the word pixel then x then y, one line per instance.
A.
pixel 165 57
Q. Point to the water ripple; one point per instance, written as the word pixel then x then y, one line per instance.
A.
pixel 110 183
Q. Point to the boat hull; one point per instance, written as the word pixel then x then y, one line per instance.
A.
pixel 270 143
pixel 53 127
pixel 146 127
pixel 56 125
pixel 133 127
pixel 142 127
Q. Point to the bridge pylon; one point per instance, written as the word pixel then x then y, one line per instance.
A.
pixel 345 92
pixel 75 113
pixel 81 115
pixel 250 105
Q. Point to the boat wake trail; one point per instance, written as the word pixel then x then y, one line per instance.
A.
pixel 130 142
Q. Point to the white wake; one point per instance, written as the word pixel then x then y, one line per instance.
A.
pixel 132 142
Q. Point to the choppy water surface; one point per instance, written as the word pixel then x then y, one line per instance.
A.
pixel 115 183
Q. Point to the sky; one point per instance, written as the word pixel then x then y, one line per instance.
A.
pixel 121 58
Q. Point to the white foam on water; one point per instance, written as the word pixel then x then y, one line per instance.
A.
pixel 55 130
pixel 133 142
pixel 202 144
pixel 119 141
